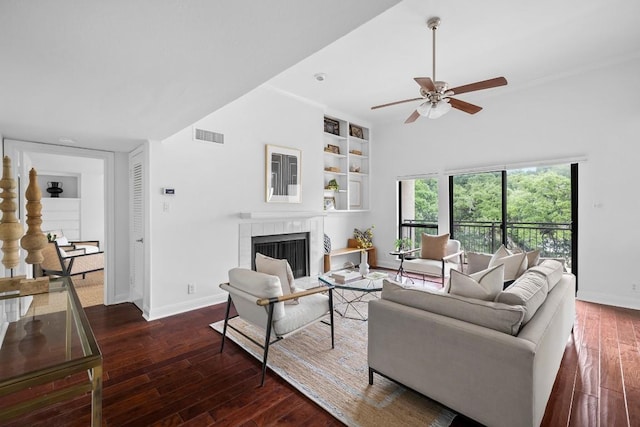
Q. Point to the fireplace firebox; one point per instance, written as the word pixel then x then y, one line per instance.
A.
pixel 293 247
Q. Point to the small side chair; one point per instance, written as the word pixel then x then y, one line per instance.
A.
pixel 258 299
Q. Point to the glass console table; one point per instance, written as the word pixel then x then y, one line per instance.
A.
pixel 47 338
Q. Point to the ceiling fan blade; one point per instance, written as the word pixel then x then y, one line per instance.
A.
pixel 425 83
pixel 485 84
pixel 395 103
pixel 412 118
pixel 464 106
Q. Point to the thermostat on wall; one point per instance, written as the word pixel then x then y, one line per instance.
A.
pixel 168 191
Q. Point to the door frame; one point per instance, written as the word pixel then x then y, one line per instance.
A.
pixel 16 149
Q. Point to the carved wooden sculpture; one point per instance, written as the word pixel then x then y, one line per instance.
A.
pixel 34 240
pixel 10 227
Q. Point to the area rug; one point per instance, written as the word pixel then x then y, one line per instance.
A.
pixel 337 379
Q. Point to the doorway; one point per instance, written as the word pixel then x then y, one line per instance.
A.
pixel 91 175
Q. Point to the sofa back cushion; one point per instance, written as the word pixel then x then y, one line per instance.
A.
pixel 552 270
pixel 500 317
pixel 529 290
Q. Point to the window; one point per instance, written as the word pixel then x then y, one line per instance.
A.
pixel 527 208
pixel 418 208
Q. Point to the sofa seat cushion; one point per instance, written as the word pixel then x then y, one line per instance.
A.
pixel 529 290
pixel 500 317
pixel 484 285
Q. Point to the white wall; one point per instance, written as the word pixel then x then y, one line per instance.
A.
pixel 195 239
pixel 90 174
pixel 574 116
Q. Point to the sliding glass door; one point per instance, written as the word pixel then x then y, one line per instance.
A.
pixel 525 209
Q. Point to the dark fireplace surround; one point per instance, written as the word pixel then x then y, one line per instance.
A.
pixel 294 247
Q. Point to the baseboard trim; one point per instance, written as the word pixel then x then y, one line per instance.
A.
pixel 606 299
pixel 183 307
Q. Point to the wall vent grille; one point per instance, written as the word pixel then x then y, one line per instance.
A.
pixel 207 136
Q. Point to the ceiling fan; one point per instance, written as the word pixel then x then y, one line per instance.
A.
pixel 437 95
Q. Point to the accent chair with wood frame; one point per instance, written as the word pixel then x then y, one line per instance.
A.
pixel 437 257
pixel 258 298
pixel 59 262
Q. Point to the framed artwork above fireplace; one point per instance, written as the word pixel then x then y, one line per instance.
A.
pixel 283 176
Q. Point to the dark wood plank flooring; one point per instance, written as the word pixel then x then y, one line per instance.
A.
pixel 169 372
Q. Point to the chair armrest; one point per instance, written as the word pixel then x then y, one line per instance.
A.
pixel 316 290
pixel 86 242
pixel 74 253
pixel 448 257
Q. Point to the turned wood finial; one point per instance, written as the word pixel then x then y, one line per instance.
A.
pixel 10 227
pixel 34 240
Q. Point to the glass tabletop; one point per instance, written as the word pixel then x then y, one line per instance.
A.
pixel 44 333
pixel 371 282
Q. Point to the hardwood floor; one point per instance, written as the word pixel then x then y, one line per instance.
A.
pixel 170 372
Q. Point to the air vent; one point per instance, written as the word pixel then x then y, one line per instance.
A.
pixel 207 136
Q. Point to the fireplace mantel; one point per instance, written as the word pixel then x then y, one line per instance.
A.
pixel 280 214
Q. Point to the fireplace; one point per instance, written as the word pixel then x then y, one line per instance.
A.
pixel 281 224
pixel 293 247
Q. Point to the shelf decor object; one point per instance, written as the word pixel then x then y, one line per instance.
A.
pixel 10 228
pixel 55 188
pixel 331 126
pixel 283 176
pixel 356 131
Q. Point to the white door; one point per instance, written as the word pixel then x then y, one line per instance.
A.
pixel 136 206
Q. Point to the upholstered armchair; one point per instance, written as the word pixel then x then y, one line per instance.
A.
pixel 60 262
pixel 259 299
pixel 437 256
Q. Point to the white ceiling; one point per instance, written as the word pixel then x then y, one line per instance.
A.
pixel 528 42
pixel 112 74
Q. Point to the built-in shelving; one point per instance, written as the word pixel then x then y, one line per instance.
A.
pixel 346 162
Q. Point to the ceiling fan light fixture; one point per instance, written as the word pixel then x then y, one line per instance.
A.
pixel 434 110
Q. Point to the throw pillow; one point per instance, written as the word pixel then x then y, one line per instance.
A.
pixel 280 268
pixel 434 247
pixel 484 285
pixel 514 264
pixel 533 258
pixel 477 261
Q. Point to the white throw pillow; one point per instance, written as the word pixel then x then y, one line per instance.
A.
pixel 514 264
pixel 484 285
pixel 280 268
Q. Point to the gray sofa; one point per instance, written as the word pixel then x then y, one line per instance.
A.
pixel 493 361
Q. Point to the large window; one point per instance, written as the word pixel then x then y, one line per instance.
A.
pixel 418 211
pixel 530 208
